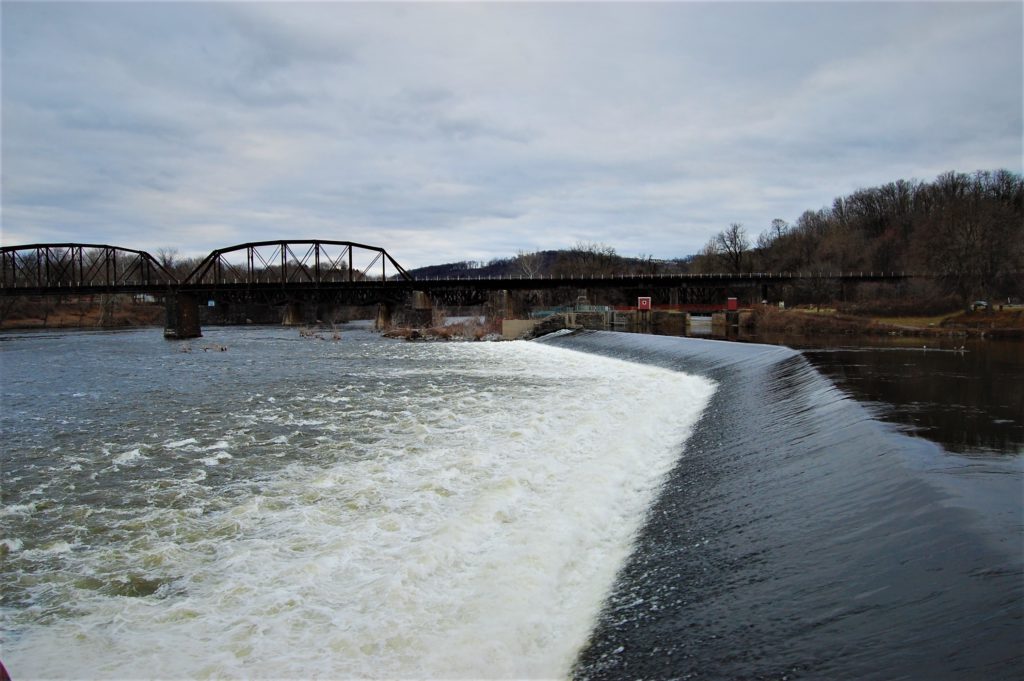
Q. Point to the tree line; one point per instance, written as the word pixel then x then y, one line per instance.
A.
pixel 967 229
pixel 581 260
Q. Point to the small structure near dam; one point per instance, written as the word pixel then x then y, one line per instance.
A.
pixel 672 320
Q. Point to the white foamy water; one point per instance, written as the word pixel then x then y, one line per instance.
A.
pixel 453 511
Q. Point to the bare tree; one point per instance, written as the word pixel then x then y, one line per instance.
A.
pixel 587 259
pixel 646 264
pixel 771 235
pixel 184 267
pixel 731 247
pixel 706 261
pixel 771 243
pixel 167 256
pixel 973 245
pixel 529 263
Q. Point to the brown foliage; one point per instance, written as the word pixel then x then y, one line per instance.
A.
pixel 967 229
pixel 80 312
pixel 901 307
pixel 470 330
pixel 766 319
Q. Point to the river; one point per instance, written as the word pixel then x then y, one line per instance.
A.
pixel 259 504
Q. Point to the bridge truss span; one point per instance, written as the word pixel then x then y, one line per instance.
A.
pixel 295 264
pixel 83 268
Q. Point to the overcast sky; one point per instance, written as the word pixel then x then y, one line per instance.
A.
pixel 448 132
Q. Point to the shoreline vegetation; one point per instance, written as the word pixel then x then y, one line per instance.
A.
pixel 1005 324
pixel 895 318
pixel 469 330
pixel 85 312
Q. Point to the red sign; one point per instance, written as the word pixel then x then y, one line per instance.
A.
pixel 643 303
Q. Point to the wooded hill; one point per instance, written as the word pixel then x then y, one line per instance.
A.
pixel 966 228
pixel 581 260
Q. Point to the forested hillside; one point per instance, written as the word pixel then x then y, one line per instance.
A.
pixel 966 228
pixel 969 229
pixel 583 259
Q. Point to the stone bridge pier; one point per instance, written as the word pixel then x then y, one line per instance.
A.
pixel 512 304
pixel 422 309
pixel 299 313
pixel 182 317
pixel 385 313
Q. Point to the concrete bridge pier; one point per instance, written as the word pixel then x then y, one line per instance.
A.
pixel 512 305
pixel 421 302
pixel 298 313
pixel 385 311
pixel 422 312
pixel 330 313
pixel 182 320
pixel 504 304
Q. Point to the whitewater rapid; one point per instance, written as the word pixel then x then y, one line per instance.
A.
pixel 395 511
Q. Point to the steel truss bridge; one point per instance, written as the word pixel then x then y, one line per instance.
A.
pixel 323 272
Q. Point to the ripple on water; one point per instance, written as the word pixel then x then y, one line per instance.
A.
pixel 371 519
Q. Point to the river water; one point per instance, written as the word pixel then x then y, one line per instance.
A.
pixel 297 508
pixel 599 505
pixel 963 394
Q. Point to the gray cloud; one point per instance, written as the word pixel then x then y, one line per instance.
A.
pixel 469 131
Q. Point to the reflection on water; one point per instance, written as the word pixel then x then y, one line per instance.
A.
pixel 964 394
pixel 968 400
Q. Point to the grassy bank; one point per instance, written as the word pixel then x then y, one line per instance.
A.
pixel 1007 323
pixel 84 313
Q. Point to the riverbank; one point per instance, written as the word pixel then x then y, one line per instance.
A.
pixel 760 321
pixel 997 324
pixel 88 312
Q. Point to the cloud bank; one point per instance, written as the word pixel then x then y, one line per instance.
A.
pixel 451 131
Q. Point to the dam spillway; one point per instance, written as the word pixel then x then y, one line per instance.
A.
pixel 595 505
pixel 799 536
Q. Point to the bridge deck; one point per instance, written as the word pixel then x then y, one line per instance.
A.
pixel 30 288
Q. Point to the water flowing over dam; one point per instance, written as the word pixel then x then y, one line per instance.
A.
pixel 596 505
pixel 799 536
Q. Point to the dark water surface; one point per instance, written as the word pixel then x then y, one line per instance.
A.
pixel 800 537
pixel 964 394
pixel 969 399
